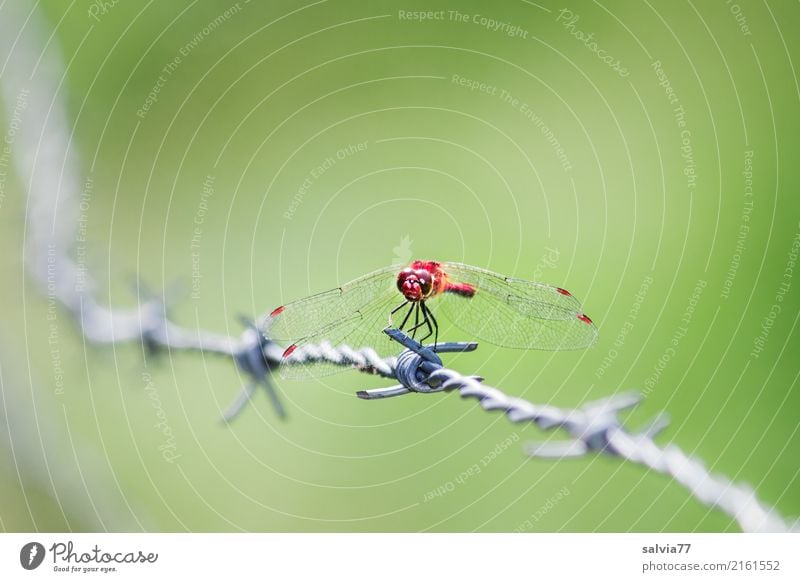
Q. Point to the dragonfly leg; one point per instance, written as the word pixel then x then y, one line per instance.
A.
pixel 433 325
pixel 417 323
pixel 405 319
pixel 413 330
pixel 425 321
pixel 395 310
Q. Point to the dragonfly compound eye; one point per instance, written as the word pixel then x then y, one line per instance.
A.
pixel 425 282
pixel 409 284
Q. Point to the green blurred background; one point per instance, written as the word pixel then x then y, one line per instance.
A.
pixel 557 168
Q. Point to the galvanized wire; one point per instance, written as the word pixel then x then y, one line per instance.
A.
pixel 595 428
pixel 49 169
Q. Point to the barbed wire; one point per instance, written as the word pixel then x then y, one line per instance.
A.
pixel 595 427
pixel 43 146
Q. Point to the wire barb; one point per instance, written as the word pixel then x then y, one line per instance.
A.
pixel 597 427
pixel 415 367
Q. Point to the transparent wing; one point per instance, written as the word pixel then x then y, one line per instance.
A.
pixel 302 318
pixel 355 314
pixel 515 313
pixel 362 329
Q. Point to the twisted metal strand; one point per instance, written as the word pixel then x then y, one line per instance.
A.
pixel 596 427
pixel 365 359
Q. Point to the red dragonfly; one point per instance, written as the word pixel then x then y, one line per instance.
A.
pixel 507 312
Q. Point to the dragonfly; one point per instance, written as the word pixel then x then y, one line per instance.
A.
pixel 506 312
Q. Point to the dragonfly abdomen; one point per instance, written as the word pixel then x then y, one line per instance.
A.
pixel 462 289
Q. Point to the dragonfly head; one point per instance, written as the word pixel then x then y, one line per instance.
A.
pixel 415 284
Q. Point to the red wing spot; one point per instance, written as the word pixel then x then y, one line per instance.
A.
pixel 563 291
pixel 585 318
pixel 288 351
pixel 277 311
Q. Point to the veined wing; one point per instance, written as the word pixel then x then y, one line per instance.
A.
pixel 516 313
pixel 355 314
pixel 362 329
pixel 302 318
